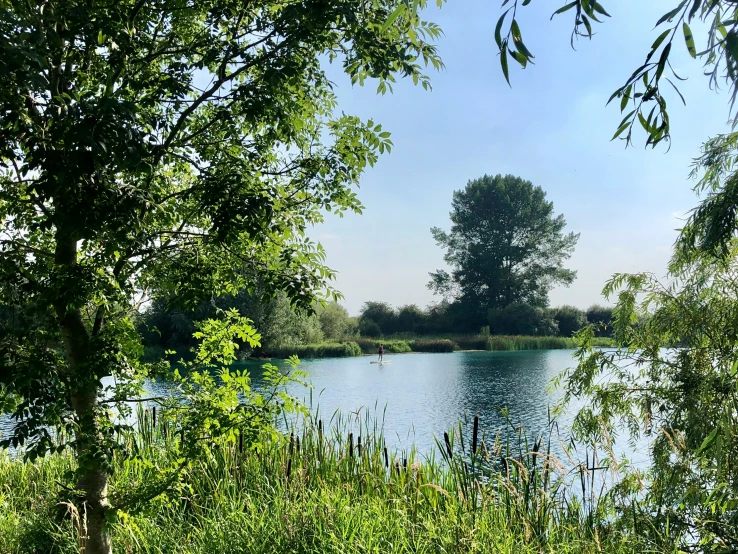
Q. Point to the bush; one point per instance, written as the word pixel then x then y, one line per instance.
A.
pixel 503 342
pixel 522 319
pixel 472 342
pixel 370 346
pixel 335 322
pixel 569 319
pixel 369 328
pixel 322 350
pixel 602 318
pixel 507 342
pixel 434 345
pixel 382 315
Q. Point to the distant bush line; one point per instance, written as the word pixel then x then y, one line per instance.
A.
pixel 361 346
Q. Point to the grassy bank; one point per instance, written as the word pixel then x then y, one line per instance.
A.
pixel 401 345
pixel 394 345
pixel 336 491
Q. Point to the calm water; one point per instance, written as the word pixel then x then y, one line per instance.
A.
pixel 422 395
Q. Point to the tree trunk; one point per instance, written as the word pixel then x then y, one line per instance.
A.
pixel 91 458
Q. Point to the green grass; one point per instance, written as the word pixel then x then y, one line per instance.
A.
pixel 314 493
pixel 451 343
pixel 433 345
pixel 322 350
pixel 392 346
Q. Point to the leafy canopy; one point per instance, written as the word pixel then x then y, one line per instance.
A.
pixel 166 145
pixel 505 245
pixel 672 385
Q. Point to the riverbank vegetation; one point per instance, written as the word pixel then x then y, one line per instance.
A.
pixel 330 332
pixel 327 488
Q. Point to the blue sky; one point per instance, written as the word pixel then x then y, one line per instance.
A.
pixel 551 127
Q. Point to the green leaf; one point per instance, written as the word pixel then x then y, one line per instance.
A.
pixel 100 38
pixel 566 8
pixel 620 130
pixel 657 43
pixel 503 62
pixel 498 30
pixel 392 17
pixel 599 9
pixel 689 39
pixel 662 61
pixel 709 441
pixel 670 15
pixel 626 97
pixel 518 41
pixel 695 7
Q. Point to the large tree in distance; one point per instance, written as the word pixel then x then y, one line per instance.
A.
pixel 505 245
pixel 181 146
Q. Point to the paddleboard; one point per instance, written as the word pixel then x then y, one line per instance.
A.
pixel 382 362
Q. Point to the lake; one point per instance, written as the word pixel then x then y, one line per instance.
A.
pixel 422 395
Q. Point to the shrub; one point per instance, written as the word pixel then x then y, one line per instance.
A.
pixel 434 345
pixel 369 328
pixel 472 342
pixel 381 314
pixel 503 342
pixel 370 346
pixel 569 319
pixel 322 350
pixel 600 316
pixel 522 319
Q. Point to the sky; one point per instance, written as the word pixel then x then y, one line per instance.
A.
pixel 551 127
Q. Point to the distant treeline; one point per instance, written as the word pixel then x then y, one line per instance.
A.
pixel 379 319
pixel 328 330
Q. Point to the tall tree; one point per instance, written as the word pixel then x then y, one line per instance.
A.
pixel 186 144
pixel 506 245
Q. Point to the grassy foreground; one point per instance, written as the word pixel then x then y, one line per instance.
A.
pixel 317 492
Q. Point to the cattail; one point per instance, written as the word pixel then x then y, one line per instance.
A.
pixel 153 416
pixel 289 468
pixel 505 467
pixel 292 443
pixel 351 445
pixel 475 435
pixel 386 457
pixel 358 446
pixel 448 445
pixel 297 444
pixel 404 464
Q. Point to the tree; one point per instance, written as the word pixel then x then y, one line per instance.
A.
pixel 601 319
pixel 335 321
pixel 569 320
pixel 379 313
pixel 642 98
pixel 522 319
pixel 684 399
pixel 410 319
pixel 185 146
pixel 505 246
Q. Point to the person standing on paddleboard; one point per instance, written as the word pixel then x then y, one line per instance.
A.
pixel 381 352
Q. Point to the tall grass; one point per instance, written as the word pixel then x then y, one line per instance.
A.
pixel 393 346
pixel 332 487
pixel 433 345
pixel 321 350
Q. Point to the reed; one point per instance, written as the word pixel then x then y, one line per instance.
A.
pixel 329 487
